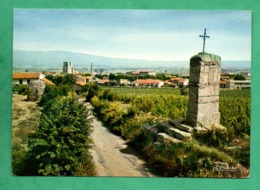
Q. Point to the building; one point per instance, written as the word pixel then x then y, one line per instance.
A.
pixel 223 84
pixel 103 81
pixel 123 82
pixel 68 68
pixel 28 77
pixel 142 73
pixel 169 83
pixel 148 83
pixel 78 85
pixel 180 81
pixel 80 78
pixel 238 84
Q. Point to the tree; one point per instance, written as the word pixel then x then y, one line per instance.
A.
pixel 51 92
pixel 61 143
pixel 62 80
pixel 92 90
pixel 112 76
pixel 239 77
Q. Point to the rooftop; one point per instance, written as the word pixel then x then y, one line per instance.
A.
pixel 26 75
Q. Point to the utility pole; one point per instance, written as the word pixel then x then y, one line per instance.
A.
pixel 91 70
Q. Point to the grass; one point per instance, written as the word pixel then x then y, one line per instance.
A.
pixel 190 159
pixel 25 119
pixel 144 91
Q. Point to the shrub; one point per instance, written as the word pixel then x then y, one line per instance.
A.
pixel 20 89
pixel 61 143
pixel 92 90
pixel 52 92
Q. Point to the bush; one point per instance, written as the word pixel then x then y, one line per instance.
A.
pixel 20 89
pixel 61 143
pixel 52 92
pixel 91 90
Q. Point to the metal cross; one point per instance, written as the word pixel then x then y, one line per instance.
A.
pixel 204 36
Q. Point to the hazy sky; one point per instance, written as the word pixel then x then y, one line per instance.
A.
pixel 138 34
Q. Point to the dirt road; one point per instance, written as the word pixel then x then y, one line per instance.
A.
pixel 112 155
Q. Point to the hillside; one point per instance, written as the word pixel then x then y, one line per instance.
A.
pixel 53 60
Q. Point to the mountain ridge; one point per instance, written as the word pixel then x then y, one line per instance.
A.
pixel 54 60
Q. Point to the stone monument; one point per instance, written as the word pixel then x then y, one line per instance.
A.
pixel 203 104
pixel 35 91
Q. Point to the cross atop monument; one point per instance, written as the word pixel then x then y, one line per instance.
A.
pixel 204 36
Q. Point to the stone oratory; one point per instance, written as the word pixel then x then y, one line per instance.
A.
pixel 203 104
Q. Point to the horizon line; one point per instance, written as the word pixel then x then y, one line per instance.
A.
pixel 77 52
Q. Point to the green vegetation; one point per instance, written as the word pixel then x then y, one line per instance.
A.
pixel 57 142
pixel 127 110
pixel 20 89
pixel 239 77
pixel 67 79
pixel 61 143
pixel 25 119
pixel 130 77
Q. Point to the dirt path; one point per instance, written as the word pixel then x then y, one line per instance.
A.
pixel 112 155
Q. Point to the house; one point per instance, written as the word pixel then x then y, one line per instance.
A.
pixel 148 83
pixel 238 84
pixel 123 82
pixel 80 78
pixel 47 82
pixel 180 81
pixel 78 85
pixel 223 84
pixel 27 77
pixel 103 81
pixel 142 73
pixel 169 83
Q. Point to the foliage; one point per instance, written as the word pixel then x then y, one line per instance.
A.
pixel 62 141
pixel 130 77
pixel 67 79
pixel 239 77
pixel 184 91
pixel 91 91
pixel 51 92
pixel 235 111
pixel 189 159
pixel 25 119
pixel 128 110
pixel 20 89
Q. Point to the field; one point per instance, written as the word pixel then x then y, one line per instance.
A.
pixel 24 122
pixel 127 110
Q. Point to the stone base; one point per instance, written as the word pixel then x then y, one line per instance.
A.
pixel 207 121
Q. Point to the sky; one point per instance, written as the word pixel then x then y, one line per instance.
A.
pixel 165 35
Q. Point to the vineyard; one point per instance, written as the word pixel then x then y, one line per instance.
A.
pixel 127 110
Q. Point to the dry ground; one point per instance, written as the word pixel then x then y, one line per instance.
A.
pixel 25 118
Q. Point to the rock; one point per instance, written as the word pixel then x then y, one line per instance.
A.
pixel 165 138
pixel 151 130
pixel 36 89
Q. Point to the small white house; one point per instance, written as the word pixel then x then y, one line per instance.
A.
pixel 148 83
pixel 238 84
pixel 26 77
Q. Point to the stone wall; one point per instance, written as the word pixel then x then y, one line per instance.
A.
pixel 36 89
pixel 203 104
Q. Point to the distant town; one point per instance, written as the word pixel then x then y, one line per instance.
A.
pixel 230 78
